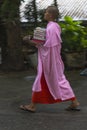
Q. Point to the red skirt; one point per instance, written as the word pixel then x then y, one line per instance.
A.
pixel 44 96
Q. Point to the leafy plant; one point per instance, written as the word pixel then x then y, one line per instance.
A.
pixel 74 35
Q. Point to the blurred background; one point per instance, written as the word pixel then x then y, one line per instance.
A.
pixel 20 17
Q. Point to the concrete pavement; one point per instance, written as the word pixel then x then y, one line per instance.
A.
pixel 15 89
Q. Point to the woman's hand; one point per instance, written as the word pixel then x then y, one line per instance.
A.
pixel 26 39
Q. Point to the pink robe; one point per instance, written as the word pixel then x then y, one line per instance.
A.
pixel 50 62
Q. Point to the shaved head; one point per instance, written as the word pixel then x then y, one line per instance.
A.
pixel 53 10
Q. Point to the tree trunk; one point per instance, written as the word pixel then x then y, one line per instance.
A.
pixel 3 42
pixel 14 59
pixel 3 39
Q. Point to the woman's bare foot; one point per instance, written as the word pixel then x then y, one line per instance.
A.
pixel 75 105
pixel 31 107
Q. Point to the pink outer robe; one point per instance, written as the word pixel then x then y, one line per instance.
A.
pixel 50 63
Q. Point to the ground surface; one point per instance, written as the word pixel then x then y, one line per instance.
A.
pixel 15 89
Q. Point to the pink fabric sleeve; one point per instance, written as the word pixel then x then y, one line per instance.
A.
pixel 53 37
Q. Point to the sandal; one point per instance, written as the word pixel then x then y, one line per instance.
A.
pixel 26 108
pixel 73 108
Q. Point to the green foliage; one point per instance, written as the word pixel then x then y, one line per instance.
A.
pixel 55 2
pixel 74 35
pixel 31 12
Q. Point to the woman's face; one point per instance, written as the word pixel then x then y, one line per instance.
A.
pixel 47 15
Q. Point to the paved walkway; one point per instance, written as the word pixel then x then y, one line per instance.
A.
pixel 15 89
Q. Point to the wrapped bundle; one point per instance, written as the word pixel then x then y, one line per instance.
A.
pixel 39 35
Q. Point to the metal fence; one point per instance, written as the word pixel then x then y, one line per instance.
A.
pixel 77 9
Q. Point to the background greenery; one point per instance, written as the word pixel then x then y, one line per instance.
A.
pixel 74 35
pixel 12 31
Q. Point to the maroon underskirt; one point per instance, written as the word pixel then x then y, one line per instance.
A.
pixel 44 96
